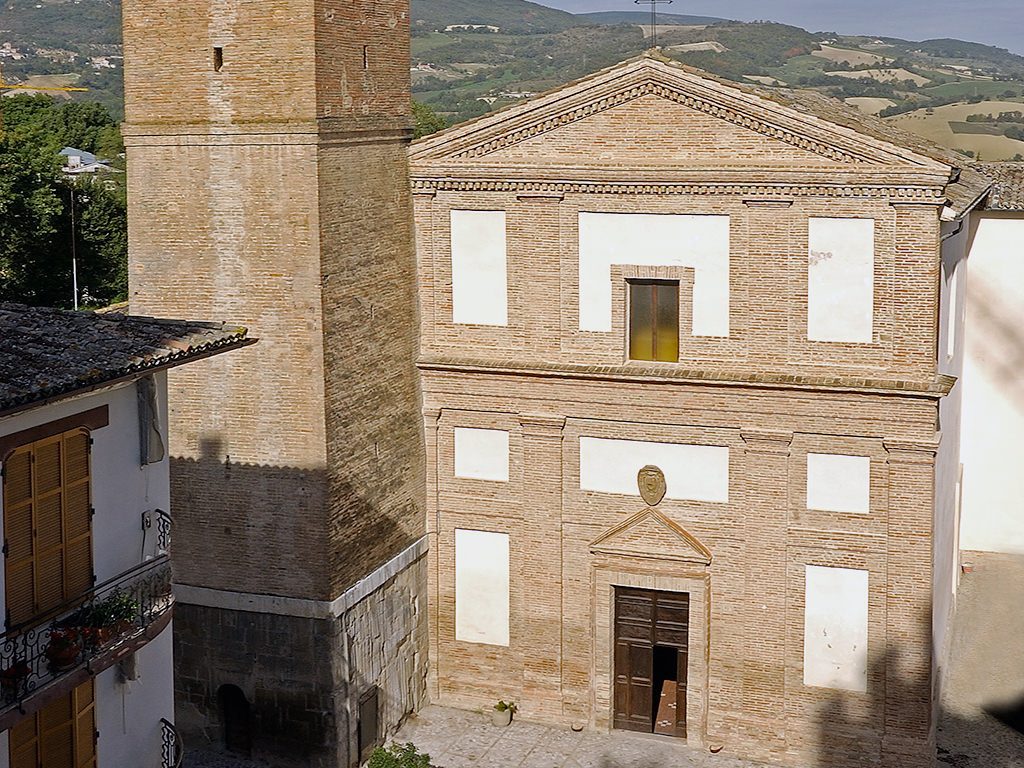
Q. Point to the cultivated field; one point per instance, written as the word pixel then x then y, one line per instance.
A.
pixel 936 126
pixel 884 75
pixel 850 56
pixel 870 104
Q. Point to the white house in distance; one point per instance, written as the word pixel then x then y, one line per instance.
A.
pixel 86 677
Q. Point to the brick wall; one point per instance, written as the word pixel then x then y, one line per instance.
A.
pixel 549 384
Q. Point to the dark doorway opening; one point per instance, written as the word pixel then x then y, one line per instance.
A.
pixel 666 687
pixel 235 717
pixel 369 722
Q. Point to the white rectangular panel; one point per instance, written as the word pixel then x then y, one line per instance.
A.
pixel 692 472
pixel 479 268
pixel 836 628
pixel 840 280
pixel 481 587
pixel 646 239
pixel 481 454
pixel 838 483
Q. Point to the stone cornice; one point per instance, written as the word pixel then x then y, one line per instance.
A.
pixel 901 195
pixel 932 389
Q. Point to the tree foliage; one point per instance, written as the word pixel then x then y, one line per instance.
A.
pixel 46 217
pixel 427 121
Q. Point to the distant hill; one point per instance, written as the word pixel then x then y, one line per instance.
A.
pixel 644 17
pixel 463 72
pixel 516 17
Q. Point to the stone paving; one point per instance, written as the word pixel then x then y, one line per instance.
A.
pixel 986 672
pixel 457 739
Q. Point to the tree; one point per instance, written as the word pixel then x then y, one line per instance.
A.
pixel 36 199
pixel 427 120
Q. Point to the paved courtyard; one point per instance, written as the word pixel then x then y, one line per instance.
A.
pixel 456 739
pixel 985 687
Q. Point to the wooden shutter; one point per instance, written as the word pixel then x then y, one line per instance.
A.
pixel 48 525
pixel 77 515
pixel 18 517
pixel 85 725
pixel 57 733
pixel 61 735
pixel 47 478
pixel 24 744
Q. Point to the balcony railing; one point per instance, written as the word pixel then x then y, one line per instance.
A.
pixel 172 749
pixel 91 632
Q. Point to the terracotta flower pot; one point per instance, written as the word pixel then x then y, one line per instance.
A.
pixel 62 656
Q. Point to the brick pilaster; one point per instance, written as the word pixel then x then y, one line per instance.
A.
pixel 909 737
pixel 541 534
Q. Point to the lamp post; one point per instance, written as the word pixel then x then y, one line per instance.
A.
pixel 654 17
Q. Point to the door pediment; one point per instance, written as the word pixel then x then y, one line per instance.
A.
pixel 650 534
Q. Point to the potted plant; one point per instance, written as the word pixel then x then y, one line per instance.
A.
pixel 108 618
pixel 502 713
pixel 12 677
pixel 63 648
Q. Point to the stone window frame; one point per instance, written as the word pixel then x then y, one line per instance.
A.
pixel 621 275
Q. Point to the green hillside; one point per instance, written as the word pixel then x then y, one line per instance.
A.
pixel 515 17
pixel 466 72
pixel 644 17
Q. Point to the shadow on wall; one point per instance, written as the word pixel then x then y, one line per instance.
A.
pixel 997 340
pixel 887 730
pixel 283 688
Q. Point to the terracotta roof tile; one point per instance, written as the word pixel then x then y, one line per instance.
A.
pixel 1008 188
pixel 47 353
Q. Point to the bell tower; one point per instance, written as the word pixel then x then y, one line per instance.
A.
pixel 268 184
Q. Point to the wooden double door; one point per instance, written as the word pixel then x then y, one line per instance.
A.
pixel 651 658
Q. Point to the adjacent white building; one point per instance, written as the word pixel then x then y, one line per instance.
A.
pixel 86 671
pixel 992 486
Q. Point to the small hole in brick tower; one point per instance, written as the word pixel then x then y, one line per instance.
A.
pixel 366 57
pixel 218 59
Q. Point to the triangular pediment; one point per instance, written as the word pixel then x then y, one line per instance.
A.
pixel 650 534
pixel 650 112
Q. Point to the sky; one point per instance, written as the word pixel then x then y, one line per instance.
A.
pixel 994 22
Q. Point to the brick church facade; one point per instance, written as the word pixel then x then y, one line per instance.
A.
pixel 748 295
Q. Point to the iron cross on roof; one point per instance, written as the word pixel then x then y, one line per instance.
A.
pixel 654 17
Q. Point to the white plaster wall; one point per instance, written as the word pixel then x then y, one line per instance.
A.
pixel 838 483
pixel 479 268
pixel 840 280
pixel 946 540
pixel 692 472
pixel 992 517
pixel 481 454
pixel 128 713
pixel 482 587
pixel 121 489
pixel 640 239
pixel 836 628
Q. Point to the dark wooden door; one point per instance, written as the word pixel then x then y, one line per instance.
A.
pixel 645 619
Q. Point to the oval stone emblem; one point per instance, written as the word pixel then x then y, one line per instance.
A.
pixel 652 485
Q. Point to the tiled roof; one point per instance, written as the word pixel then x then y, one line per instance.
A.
pixel 47 353
pixel 1008 189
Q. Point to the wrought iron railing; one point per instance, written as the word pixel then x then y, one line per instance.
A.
pixel 35 654
pixel 173 748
